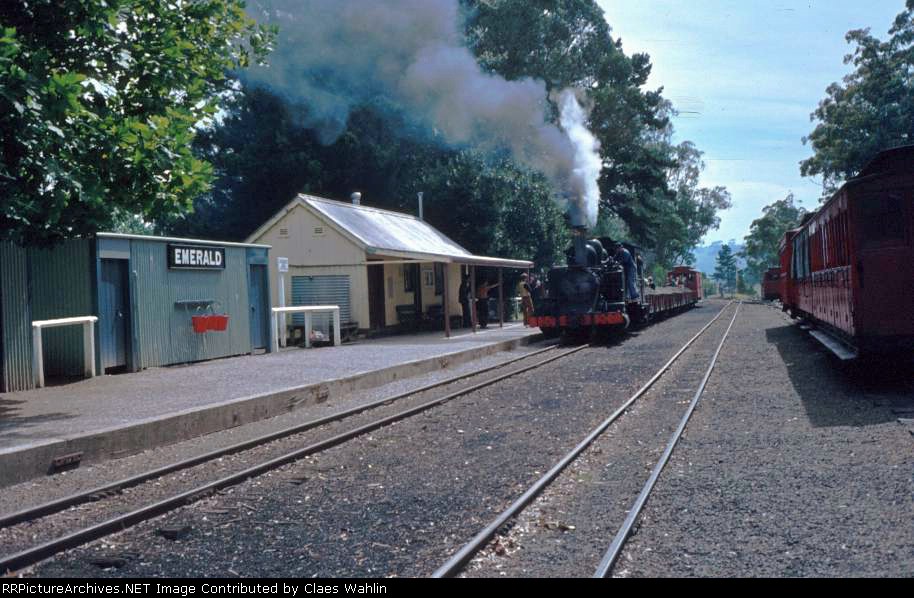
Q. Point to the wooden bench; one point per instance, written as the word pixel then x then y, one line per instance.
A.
pixel 407 317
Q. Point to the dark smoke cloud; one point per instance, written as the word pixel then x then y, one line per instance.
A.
pixel 333 55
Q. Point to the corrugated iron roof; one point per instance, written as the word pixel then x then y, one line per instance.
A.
pixel 385 232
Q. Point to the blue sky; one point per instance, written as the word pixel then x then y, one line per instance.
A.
pixel 746 75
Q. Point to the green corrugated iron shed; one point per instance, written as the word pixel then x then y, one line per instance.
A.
pixel 144 302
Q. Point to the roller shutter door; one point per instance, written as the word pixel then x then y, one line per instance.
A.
pixel 321 290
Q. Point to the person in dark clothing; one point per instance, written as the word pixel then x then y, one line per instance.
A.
pixel 482 303
pixel 464 295
pixel 624 257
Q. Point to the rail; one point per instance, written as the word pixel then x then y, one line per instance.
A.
pixel 308 310
pixel 88 324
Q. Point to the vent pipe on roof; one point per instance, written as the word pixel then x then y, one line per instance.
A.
pixel 420 206
pixel 356 198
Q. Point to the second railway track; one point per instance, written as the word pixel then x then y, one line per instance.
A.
pixel 459 559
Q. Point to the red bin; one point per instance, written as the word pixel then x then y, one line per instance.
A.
pixel 201 323
pixel 219 323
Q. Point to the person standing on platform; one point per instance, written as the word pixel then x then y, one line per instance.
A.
pixel 526 298
pixel 464 295
pixel 482 302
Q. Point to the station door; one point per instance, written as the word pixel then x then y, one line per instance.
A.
pixel 114 310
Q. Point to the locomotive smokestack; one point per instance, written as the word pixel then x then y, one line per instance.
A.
pixel 579 236
pixel 421 215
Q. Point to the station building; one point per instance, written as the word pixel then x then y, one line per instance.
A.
pixel 383 268
pixel 145 292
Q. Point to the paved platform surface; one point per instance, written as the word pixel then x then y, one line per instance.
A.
pixel 186 401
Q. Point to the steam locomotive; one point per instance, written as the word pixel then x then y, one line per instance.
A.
pixel 587 297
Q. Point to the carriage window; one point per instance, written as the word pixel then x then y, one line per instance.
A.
pixel 881 220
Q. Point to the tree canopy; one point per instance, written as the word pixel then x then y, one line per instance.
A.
pixel 871 110
pixel 765 234
pixel 99 104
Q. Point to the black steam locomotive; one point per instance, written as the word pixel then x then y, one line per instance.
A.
pixel 588 295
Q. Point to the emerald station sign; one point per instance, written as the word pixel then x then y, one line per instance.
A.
pixel 196 257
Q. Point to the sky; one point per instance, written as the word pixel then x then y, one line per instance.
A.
pixel 745 75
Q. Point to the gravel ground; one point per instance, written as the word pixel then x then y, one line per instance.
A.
pixel 13 498
pixel 19 537
pixel 565 531
pixel 399 501
pixel 794 466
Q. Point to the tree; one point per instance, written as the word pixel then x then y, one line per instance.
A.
pixel 725 271
pixel 694 210
pixel 568 43
pixel 99 104
pixel 871 110
pixel 765 234
pixel 263 157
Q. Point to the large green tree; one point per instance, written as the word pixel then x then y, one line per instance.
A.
pixel 765 234
pixel 568 43
pixel 99 103
pixel 872 109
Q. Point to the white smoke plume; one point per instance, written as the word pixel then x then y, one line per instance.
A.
pixel 333 55
pixel 587 161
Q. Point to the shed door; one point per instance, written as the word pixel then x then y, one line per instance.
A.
pixel 257 288
pixel 321 290
pixel 113 314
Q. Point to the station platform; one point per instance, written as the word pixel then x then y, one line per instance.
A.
pixel 114 416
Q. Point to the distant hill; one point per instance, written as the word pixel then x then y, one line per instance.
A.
pixel 706 257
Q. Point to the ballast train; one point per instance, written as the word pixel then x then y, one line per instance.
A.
pixel 849 268
pixel 588 297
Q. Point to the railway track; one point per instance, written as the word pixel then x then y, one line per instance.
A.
pixel 34 554
pixel 460 558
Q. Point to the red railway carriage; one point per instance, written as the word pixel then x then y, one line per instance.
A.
pixel 687 277
pixel 850 266
pixel 771 284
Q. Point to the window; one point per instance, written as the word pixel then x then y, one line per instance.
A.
pixel 428 278
pixel 410 277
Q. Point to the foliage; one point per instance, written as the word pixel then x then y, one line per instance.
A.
pixel 568 43
pixel 725 272
pixel 693 212
pixel 871 110
pixel 765 235
pixel 263 154
pixel 99 101
pixel 263 158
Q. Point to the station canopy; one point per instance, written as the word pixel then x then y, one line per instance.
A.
pixel 393 234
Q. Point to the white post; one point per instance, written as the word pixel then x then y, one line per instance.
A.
pixel 282 266
pixel 282 303
pixel 336 328
pixel 37 357
pixel 307 329
pixel 275 323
